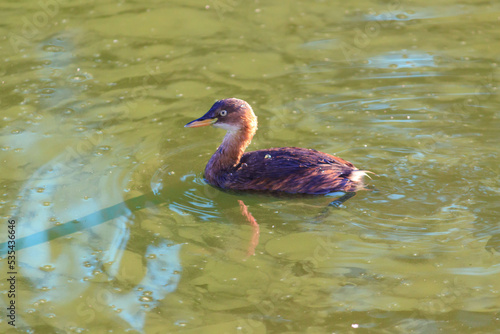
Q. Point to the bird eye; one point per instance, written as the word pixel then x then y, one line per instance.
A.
pixel 223 113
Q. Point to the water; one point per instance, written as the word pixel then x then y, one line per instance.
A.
pixel 116 229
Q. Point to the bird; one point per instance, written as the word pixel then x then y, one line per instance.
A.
pixel 291 170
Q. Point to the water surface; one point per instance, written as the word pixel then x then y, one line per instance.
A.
pixel 117 231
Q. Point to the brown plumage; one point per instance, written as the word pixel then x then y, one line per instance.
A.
pixel 287 169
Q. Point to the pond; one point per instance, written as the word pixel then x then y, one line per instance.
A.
pixel 117 231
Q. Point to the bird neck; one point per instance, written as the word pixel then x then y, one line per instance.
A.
pixel 229 153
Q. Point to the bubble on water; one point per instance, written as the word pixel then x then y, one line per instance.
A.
pixel 80 77
pixel 104 148
pixel 147 299
pixel 47 91
pixel 53 48
pixel 47 268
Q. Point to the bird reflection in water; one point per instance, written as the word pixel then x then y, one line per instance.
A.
pixel 254 240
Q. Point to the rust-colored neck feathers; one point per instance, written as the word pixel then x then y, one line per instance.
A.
pixel 231 150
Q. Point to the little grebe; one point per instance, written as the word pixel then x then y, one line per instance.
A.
pixel 286 169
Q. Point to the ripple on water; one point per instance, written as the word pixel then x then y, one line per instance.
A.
pixel 404 60
pixel 398 12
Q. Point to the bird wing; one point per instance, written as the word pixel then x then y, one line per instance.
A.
pixel 290 169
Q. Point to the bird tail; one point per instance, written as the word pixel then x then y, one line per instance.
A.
pixel 357 175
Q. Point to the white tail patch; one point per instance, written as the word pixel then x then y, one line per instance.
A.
pixel 357 175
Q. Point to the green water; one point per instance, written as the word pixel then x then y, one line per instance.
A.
pixel 118 233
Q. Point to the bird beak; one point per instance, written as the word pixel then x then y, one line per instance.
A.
pixel 202 121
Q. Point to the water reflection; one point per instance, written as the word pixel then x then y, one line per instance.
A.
pixel 63 247
pixel 86 250
pixel 160 277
